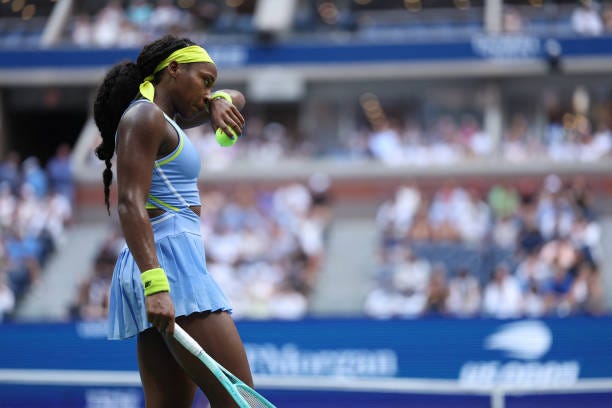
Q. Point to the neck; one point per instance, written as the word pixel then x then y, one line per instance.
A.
pixel 162 99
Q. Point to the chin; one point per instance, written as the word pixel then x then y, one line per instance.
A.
pixel 189 115
pixel 197 111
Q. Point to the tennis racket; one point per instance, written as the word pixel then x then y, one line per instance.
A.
pixel 245 396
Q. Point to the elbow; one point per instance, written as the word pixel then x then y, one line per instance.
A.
pixel 238 99
pixel 129 207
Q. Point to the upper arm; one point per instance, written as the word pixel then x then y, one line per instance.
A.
pixel 140 135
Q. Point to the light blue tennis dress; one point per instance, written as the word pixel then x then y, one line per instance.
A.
pixel 179 245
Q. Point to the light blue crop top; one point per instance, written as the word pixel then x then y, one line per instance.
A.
pixel 174 185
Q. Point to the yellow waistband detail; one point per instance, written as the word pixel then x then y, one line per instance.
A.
pixel 160 202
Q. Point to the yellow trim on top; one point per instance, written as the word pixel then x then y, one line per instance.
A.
pixel 174 155
pixel 163 204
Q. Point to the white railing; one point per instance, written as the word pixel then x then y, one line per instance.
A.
pixel 497 394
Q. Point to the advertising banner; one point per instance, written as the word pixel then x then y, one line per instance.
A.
pixel 478 48
pixel 478 354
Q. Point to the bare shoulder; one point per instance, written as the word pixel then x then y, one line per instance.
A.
pixel 143 118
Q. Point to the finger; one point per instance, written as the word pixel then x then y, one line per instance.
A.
pixel 232 115
pixel 160 323
pixel 238 117
pixel 234 123
pixel 237 128
pixel 231 128
pixel 231 131
pixel 170 328
pixel 154 322
pixel 163 326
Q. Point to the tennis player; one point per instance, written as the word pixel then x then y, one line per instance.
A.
pixel 160 276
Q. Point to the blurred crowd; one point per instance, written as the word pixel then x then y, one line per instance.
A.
pixel 135 22
pixel 264 247
pixel 591 19
pixel 581 17
pixel 262 144
pixel 450 140
pixel 509 252
pixel 521 248
pixel 132 23
pixel 36 205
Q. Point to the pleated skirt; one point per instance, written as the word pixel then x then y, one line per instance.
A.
pixel 180 251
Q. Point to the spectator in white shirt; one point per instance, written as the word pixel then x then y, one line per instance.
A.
pixel 383 302
pixel 463 294
pixel 165 15
pixel 287 303
pixel 586 19
pixel 502 295
pixel 7 298
pixel 107 24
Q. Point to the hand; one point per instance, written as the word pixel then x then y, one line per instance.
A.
pixel 224 115
pixel 160 312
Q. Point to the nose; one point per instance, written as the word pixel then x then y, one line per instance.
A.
pixel 206 101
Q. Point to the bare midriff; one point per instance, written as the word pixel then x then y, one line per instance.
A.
pixel 155 212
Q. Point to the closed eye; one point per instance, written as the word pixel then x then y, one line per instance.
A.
pixel 208 82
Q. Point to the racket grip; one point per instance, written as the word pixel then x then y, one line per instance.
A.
pixel 186 340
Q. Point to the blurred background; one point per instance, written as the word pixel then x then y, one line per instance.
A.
pixel 417 214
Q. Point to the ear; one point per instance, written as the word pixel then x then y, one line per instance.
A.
pixel 173 68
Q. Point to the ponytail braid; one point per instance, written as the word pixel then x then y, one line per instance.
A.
pixel 119 87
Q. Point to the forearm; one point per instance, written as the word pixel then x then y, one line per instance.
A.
pixel 238 100
pixel 138 234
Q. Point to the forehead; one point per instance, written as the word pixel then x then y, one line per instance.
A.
pixel 204 68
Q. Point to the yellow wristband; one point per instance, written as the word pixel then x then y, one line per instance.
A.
pixel 154 281
pixel 218 95
pixel 221 95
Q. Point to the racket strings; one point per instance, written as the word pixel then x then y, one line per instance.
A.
pixel 252 399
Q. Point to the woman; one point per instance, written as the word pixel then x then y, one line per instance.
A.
pixel 160 276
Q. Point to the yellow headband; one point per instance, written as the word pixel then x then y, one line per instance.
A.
pixel 193 53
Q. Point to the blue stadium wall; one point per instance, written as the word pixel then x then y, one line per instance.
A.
pixel 479 48
pixel 335 363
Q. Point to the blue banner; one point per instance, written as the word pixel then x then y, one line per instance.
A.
pixel 66 363
pixel 479 48
pixel 565 350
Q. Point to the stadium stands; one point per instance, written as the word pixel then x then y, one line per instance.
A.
pixel 36 204
pixel 505 254
pixel 121 23
pixel 264 247
pixel 433 124
pixel 417 213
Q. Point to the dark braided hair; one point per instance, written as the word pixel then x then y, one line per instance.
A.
pixel 119 88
